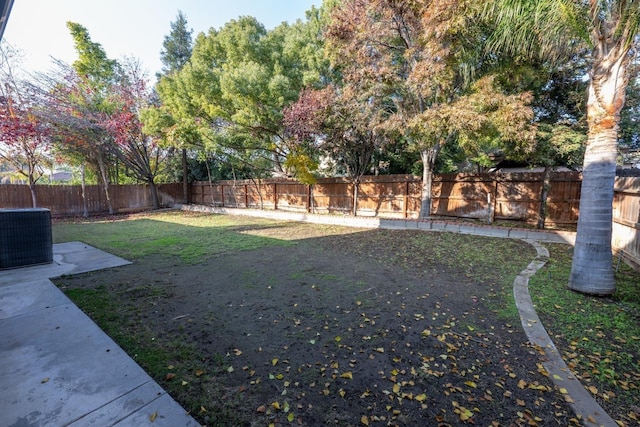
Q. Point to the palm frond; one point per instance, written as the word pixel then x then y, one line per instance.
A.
pixel 545 29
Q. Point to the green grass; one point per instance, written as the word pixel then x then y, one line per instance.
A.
pixel 481 262
pixel 175 364
pixel 99 305
pixel 599 338
pixel 192 237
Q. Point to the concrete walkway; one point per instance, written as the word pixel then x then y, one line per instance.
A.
pixel 57 368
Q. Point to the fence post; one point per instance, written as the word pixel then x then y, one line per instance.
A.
pixel 405 208
pixel 275 196
pixel 246 196
pixel 492 216
pixel 309 198
pixel 492 188
pixel 222 193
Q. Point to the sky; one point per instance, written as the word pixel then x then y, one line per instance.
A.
pixel 128 28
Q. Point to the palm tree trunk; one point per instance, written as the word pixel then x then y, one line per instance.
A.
pixel 592 267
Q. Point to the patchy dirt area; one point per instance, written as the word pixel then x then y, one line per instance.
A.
pixel 350 328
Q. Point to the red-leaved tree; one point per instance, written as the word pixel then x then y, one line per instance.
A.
pixel 139 152
pixel 75 111
pixel 24 138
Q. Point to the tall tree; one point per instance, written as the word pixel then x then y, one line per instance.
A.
pixel 92 62
pixel 87 92
pixel 177 47
pixel 343 123
pixel 550 29
pixel 418 58
pixel 233 91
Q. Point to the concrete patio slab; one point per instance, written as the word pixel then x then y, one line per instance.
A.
pixel 68 258
pixel 29 297
pixel 58 367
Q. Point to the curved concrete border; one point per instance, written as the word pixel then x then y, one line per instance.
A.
pixel 582 402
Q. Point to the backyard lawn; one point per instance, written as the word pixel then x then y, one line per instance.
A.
pixel 253 322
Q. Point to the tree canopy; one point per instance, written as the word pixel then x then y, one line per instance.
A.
pixel 231 94
pixel 24 136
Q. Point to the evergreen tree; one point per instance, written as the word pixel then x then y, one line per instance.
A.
pixel 177 46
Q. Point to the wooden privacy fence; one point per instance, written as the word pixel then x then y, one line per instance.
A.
pixel 66 200
pixel 388 196
pixel 481 196
pixel 626 219
pixel 488 197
